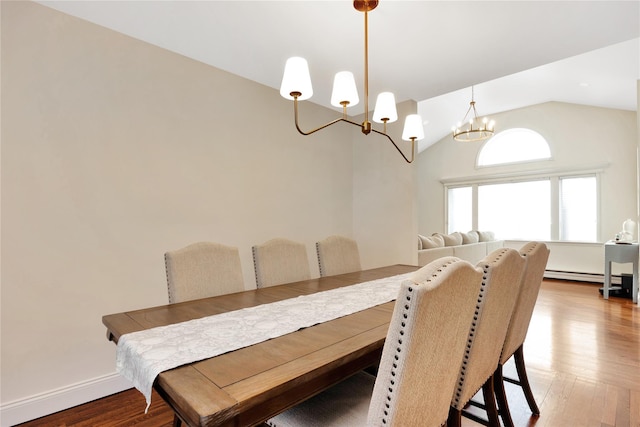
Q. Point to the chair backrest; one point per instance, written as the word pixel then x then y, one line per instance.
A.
pixel 337 255
pixel 502 270
pixel 202 270
pixel 536 255
pixel 424 345
pixel 280 261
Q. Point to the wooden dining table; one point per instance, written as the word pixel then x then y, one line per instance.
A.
pixel 245 387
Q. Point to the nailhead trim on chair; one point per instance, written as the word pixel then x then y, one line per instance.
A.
pixel 396 357
pixel 319 261
pixel 166 271
pixel 255 266
pixel 472 331
pixel 531 249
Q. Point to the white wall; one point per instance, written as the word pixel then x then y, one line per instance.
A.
pixel 580 137
pixel 115 151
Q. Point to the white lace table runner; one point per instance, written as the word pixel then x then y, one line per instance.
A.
pixel 142 355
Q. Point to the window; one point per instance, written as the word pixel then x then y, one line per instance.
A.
pixel 516 210
pixel 549 208
pixel 459 209
pixel 578 209
pixel 514 146
pixel 525 205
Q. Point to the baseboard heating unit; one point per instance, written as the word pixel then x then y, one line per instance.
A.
pixel 580 277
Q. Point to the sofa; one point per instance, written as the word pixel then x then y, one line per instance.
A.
pixel 471 246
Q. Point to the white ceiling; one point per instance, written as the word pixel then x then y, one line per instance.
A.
pixel 516 53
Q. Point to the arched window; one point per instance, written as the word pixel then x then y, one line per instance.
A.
pixel 514 146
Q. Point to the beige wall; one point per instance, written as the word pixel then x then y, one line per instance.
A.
pixel 115 151
pixel 385 210
pixel 580 137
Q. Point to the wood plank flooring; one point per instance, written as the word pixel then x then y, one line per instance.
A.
pixel 582 354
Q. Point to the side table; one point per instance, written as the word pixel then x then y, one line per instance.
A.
pixel 621 253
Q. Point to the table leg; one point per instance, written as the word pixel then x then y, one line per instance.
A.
pixel 607 279
pixel 634 285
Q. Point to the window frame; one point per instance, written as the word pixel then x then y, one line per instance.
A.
pixel 554 178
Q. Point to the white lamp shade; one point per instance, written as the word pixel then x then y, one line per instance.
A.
pixel 296 78
pixel 344 89
pixel 413 128
pixel 385 108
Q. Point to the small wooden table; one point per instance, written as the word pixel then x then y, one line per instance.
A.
pixel 248 386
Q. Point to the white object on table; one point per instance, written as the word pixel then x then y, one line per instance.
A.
pixel 621 253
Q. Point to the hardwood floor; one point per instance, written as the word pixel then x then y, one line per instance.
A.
pixel 582 354
pixel 583 360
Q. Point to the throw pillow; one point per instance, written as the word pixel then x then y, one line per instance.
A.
pixel 438 239
pixel 431 242
pixel 470 237
pixel 453 239
pixel 486 236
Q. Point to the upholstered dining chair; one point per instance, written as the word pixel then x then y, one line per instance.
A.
pixel 502 270
pixel 337 255
pixel 201 270
pixel 280 261
pixel 536 255
pixel 420 360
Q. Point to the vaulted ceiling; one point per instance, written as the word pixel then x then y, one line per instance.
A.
pixel 516 53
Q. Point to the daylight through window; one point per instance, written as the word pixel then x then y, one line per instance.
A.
pixel 531 206
pixel 514 146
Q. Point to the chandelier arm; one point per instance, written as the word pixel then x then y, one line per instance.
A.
pixel 413 143
pixel 295 112
pixel 342 119
pixel 306 133
pixel 471 106
pixel 475 113
pixel 322 127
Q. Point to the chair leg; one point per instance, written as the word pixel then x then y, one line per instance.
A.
pixel 455 417
pixel 524 380
pixel 490 403
pixel 501 397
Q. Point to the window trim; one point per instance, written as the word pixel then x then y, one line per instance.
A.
pixel 520 175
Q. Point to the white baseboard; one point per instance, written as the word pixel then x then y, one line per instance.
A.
pixel 580 277
pixel 20 411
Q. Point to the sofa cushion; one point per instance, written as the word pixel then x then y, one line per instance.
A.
pixel 453 239
pixel 486 236
pixel 492 246
pixel 470 237
pixel 431 242
pixel 472 252
pixel 426 256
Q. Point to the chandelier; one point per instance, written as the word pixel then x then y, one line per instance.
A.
pixel 296 86
pixel 471 128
